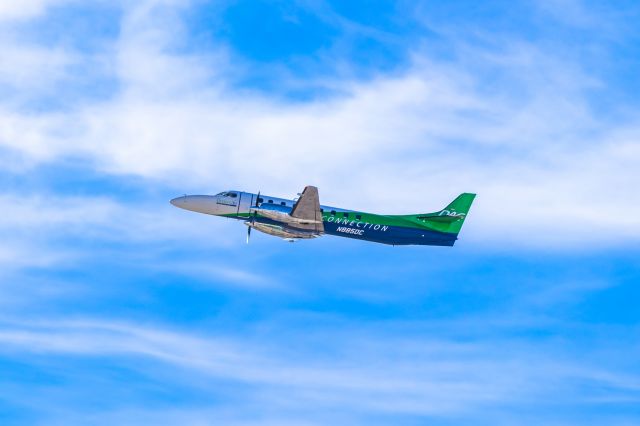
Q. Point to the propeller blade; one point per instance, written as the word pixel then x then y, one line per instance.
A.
pixel 253 218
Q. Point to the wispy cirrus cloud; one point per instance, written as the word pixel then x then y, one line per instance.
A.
pixel 431 378
pixel 102 217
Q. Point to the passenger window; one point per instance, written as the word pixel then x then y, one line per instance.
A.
pixel 270 201
pixel 282 203
pixel 260 200
pixel 333 212
pixel 233 195
pixel 346 215
pixel 321 210
pixel 358 216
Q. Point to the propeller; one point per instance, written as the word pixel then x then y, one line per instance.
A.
pixel 258 202
pixel 253 218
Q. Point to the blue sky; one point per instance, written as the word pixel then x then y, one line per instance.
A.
pixel 117 308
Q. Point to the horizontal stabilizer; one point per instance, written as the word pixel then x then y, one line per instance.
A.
pixel 442 219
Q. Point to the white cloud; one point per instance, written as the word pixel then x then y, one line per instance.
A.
pixel 28 67
pixel 25 9
pixel 213 271
pixel 547 169
pixel 19 256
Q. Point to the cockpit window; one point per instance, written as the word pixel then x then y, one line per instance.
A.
pixel 228 194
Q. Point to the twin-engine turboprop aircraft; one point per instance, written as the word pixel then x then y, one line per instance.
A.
pixel 304 218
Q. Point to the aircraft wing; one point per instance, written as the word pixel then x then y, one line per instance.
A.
pixel 307 208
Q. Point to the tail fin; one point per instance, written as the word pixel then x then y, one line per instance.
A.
pixel 451 218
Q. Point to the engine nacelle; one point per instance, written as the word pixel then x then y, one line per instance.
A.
pixel 281 231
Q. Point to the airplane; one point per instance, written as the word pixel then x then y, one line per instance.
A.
pixel 304 218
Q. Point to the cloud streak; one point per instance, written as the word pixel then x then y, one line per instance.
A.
pixel 430 378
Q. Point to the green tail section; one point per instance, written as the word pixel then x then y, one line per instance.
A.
pixel 449 219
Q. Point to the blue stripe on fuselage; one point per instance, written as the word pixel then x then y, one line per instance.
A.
pixel 394 235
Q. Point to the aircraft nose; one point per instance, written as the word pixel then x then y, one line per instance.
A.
pixel 196 203
pixel 179 201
